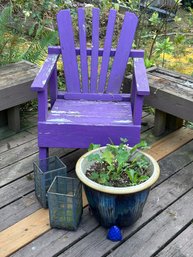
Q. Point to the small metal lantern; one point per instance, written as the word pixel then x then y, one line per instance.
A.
pixel 65 203
pixel 44 173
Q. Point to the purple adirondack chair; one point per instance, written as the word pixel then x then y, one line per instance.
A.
pixel 92 109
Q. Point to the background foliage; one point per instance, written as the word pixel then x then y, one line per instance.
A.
pixel 27 27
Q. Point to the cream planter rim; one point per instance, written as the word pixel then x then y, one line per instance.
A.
pixel 117 190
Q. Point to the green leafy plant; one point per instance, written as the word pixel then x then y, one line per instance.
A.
pixel 10 41
pixel 118 165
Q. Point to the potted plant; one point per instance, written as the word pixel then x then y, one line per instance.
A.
pixel 117 181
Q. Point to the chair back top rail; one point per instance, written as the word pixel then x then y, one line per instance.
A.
pixel 139 53
pixel 94 77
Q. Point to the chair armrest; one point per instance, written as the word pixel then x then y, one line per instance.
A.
pixel 142 85
pixel 44 73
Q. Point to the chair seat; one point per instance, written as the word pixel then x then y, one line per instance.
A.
pixel 90 112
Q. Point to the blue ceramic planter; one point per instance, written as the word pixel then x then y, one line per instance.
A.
pixel 120 210
pixel 120 206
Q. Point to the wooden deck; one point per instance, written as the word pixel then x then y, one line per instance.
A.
pixel 165 229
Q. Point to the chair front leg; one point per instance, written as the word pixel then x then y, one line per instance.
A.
pixel 42 116
pixel 43 153
pixel 136 103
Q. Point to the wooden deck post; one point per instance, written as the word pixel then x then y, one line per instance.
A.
pixel 159 122
pixel 14 118
pixel 15 82
pixel 173 122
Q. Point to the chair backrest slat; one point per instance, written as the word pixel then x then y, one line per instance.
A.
pixel 107 49
pixel 83 53
pixel 122 53
pixel 95 49
pixel 100 81
pixel 66 35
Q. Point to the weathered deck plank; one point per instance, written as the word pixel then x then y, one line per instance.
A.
pixel 160 197
pixel 16 140
pixel 25 185
pixel 174 74
pixel 28 227
pixel 160 230
pixel 181 246
pixel 175 161
pixel 54 241
pixel 170 143
pixel 171 95
pixel 18 210
pixel 171 74
pixel 27 204
pixel 16 154
pixel 25 166
pixel 27 123
pixel 15 190
pixel 154 200
pixel 174 189
pixel 171 187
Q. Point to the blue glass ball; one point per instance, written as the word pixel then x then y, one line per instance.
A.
pixel 114 234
